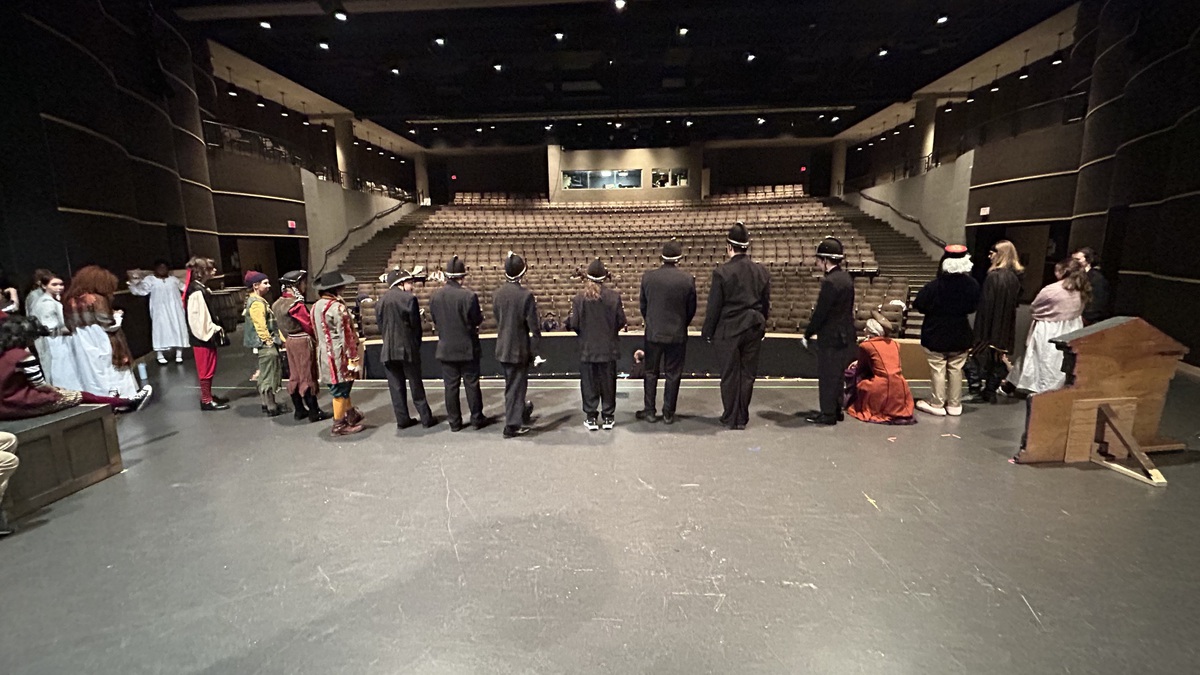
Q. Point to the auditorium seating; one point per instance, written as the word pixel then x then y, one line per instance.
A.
pixel 559 240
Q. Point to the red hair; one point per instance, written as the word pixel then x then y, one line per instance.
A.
pixel 92 279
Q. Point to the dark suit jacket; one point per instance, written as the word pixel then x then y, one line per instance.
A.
pixel 739 300
pixel 457 315
pixel 1100 308
pixel 833 318
pixel 399 318
pixel 597 323
pixel 668 303
pixel 518 331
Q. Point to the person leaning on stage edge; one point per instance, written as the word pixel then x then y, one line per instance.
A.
pixel 399 317
pixel 668 303
pixel 739 303
pixel 832 325
pixel 518 341
pixel 457 315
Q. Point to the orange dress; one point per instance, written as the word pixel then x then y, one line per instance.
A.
pixel 881 393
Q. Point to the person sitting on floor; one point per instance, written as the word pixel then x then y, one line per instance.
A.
pixel 878 391
pixel 24 392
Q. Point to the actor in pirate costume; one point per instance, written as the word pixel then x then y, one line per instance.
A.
pixel 457 315
pixel 204 333
pixel 739 303
pixel 518 334
pixel 399 317
pixel 832 325
pixel 668 303
pixel 262 336
pixel 338 358
pixel 295 324
pixel 597 316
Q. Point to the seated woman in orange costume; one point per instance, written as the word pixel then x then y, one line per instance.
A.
pixel 877 388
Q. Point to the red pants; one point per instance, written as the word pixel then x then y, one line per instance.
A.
pixel 104 400
pixel 206 368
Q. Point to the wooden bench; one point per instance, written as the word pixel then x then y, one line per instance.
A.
pixel 61 454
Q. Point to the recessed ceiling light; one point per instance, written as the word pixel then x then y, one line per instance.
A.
pixel 579 124
pixel 883 51
pixel 261 102
pixel 356 141
pixel 619 4
pixel 439 41
pixel 688 123
pixel 834 118
pixel 404 161
pixel 340 16
pixel 323 45
pixel 479 130
pixel 618 125
pixel 498 67
pixel 1023 74
pixel 283 112
pixel 668 121
pixel 492 127
pixel 560 36
pixel 995 87
pixel 896 132
pixel 882 139
pixel 393 157
pixel 912 125
pixel 413 132
pixel 949 107
pixel 859 148
pixel 395 71
pixel 942 18
pixel 435 128
pixel 821 116
pixel 871 144
pixel 548 127
pixel 1058 58
pixel 970 98
pixel 750 57
pixel 682 31
pixel 264 24
pixel 324 128
pixel 381 153
pixel 761 121
pixel 370 149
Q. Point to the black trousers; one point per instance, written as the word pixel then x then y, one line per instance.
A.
pixel 466 373
pixel 739 367
pixel 985 370
pixel 668 356
pixel 598 384
pixel 831 369
pixel 516 385
pixel 400 373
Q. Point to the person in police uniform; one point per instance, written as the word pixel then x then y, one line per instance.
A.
pixel 457 315
pixel 739 303
pixel 832 325
pixel 399 317
pixel 518 338
pixel 668 304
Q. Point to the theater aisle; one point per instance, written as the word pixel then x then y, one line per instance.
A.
pixel 238 544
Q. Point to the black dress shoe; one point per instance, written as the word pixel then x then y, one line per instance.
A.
pixel 738 427
pixel 214 405
pixel 841 416
pixel 646 416
pixel 220 399
pixel 823 420
pixel 481 423
pixel 513 432
pixel 428 423
pixel 406 423
pixel 456 427
pixel 668 418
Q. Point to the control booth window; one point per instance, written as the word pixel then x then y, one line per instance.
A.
pixel 602 179
pixel 669 178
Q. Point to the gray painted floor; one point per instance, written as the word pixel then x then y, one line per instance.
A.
pixel 234 544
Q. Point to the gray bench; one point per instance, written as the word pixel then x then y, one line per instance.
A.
pixel 61 454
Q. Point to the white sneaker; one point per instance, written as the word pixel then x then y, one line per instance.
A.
pixel 178 357
pixel 162 359
pixel 954 410
pixel 591 424
pixel 927 407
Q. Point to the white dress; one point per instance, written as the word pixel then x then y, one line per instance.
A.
pixel 54 351
pixel 167 318
pixel 1056 311
pixel 93 355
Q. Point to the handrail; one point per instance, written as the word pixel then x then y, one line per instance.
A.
pixel 346 237
pixel 912 219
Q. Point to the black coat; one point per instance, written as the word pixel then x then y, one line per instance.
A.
pixel 668 303
pixel 518 331
pixel 996 315
pixel 1099 308
pixel 946 302
pixel 399 317
pixel 832 321
pixel 739 299
pixel 456 313
pixel 597 323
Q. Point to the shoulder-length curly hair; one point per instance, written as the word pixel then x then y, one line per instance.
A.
pixel 92 279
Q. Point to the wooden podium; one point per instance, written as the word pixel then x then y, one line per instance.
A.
pixel 1109 412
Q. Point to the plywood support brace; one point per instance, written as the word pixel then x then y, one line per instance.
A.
pixel 1108 420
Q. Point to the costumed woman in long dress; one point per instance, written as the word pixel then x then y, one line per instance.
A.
pixel 24 392
pixel 168 321
pixel 102 355
pixel 54 348
pixel 41 277
pixel 995 323
pixel 1057 310
pixel 880 392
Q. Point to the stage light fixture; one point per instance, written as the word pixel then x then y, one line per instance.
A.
pixel 949 107
pixel 750 57
pixel 971 91
pixel 229 88
pixel 341 16
pixel 498 67
pixel 682 31
pixel 479 130
pixel 858 149
pixel 619 4
pixel 996 80
pixel 912 125
pixel 688 123
pixel 834 118
pixel 395 71
pixel 942 19
pixel 260 101
pixel 412 132
pixel 382 153
pixel 548 127
pixel 896 132
pixel 283 111
pixel 1057 58
pixel 323 45
pixel 439 41
pixel 618 125
pixel 266 25
pixel 304 116
pixel 560 36
pixel 883 51
pixel 324 128
pixel 761 121
pixel 871 145
pixel 356 141
pixel 1023 73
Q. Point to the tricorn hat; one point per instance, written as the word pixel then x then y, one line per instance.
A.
pixel 830 248
pixel 672 251
pixel 738 236
pixel 596 271
pixel 456 268
pixel 293 278
pixel 514 266
pixel 331 280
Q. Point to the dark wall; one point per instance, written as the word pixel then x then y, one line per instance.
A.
pixel 740 167
pixel 519 172
pixel 253 196
pixel 1027 178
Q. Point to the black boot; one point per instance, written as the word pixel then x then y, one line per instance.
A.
pixel 315 414
pixel 5 529
pixel 298 403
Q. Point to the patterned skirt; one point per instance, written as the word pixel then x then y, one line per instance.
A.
pixel 302 361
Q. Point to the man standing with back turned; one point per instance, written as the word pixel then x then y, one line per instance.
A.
pixel 668 303
pixel 457 315
pixel 739 303
pixel 518 337
pixel 399 317
pixel 833 325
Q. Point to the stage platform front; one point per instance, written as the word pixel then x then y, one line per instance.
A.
pixel 783 355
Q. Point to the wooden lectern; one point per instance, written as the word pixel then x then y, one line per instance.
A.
pixel 1109 411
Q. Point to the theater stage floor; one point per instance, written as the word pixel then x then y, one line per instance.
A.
pixel 234 544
